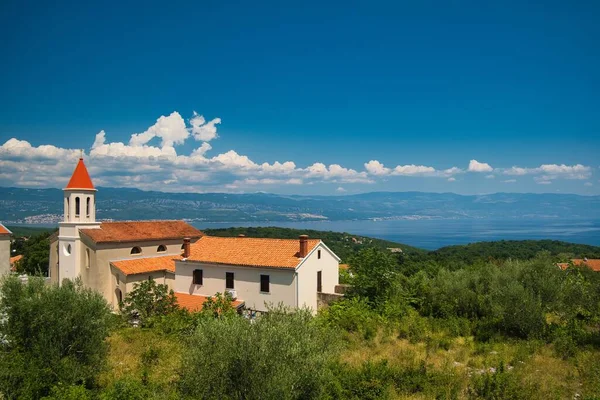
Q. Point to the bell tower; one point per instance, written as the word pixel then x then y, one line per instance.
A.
pixel 79 212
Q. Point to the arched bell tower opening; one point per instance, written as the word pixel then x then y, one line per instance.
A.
pixel 79 212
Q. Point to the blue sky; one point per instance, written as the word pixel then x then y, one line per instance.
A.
pixel 425 86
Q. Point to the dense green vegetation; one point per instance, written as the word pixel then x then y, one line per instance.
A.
pixel 36 253
pixel 484 322
pixel 50 335
pixel 24 230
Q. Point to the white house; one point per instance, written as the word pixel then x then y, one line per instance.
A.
pixel 111 257
pixel 4 250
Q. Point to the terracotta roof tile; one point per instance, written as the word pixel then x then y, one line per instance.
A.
pixel 80 178
pixel 344 266
pixel 136 231
pixel 593 264
pixel 4 230
pixel 15 259
pixel 194 303
pixel 146 264
pixel 275 253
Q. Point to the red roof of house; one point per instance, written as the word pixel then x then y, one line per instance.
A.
pixel 138 231
pixel 194 303
pixel 593 264
pixel 146 264
pixel 80 178
pixel 252 252
pixel 4 231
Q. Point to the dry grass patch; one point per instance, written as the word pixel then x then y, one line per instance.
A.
pixel 130 348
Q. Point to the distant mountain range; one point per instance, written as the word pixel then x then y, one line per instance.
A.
pixel 19 205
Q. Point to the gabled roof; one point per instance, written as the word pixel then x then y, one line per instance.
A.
pixel 146 265
pixel 80 178
pixel 252 252
pixel 4 231
pixel 194 303
pixel 140 231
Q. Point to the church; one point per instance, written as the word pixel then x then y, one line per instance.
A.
pixel 111 257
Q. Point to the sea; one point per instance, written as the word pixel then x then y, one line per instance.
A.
pixel 433 234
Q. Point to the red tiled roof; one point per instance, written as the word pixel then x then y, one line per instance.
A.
pixel 194 303
pixel 253 252
pixel 344 266
pixel 593 264
pixel 147 264
pixel 4 231
pixel 80 178
pixel 15 259
pixel 137 231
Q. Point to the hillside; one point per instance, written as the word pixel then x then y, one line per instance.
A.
pixel 515 249
pixel 18 205
pixel 346 244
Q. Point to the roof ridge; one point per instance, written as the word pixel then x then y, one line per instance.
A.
pixel 172 256
pixel 255 238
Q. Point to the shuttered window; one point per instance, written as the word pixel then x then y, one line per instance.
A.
pixel 197 277
pixel 229 280
pixel 265 283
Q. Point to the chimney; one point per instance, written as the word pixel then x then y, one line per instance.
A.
pixel 241 235
pixel 303 246
pixel 186 247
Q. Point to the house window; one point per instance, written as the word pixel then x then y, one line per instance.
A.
pixel 197 277
pixel 77 206
pixel 161 249
pixel 229 280
pixel 319 254
pixel 136 250
pixel 264 284
pixel 87 258
pixel 319 282
pixel 87 207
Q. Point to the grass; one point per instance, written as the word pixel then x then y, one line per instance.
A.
pixel 133 348
pixel 452 363
pixel 535 364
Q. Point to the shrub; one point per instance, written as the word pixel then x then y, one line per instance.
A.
pixel 500 384
pixel 62 392
pixel 52 335
pixel 147 301
pixel 352 315
pixel 279 355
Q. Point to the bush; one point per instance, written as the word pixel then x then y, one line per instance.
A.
pixel 62 392
pixel 352 315
pixel 500 384
pixel 52 335
pixel 279 355
pixel 147 301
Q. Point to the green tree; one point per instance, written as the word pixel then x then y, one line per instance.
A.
pixel 375 275
pixel 281 355
pixel 36 253
pixel 148 300
pixel 219 306
pixel 51 335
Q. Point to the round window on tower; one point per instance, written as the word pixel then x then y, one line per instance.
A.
pixel 67 249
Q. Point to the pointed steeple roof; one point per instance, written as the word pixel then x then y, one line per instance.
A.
pixel 80 179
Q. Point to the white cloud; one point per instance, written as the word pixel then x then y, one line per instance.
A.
pixel 490 176
pixel 202 130
pixel 413 170
pixel 340 189
pixel 374 167
pixel 171 130
pixel 142 163
pixel 588 184
pixel 509 181
pixel 476 166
